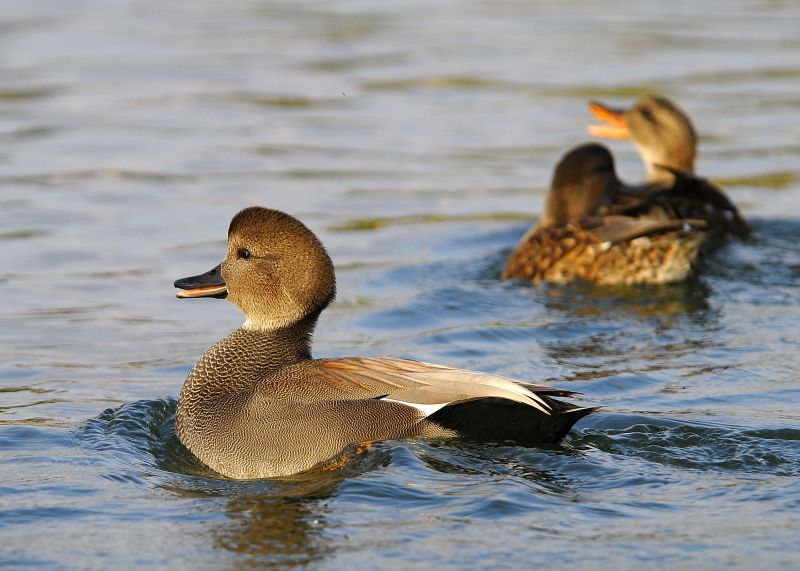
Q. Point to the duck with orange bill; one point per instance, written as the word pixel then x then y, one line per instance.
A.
pixel 667 143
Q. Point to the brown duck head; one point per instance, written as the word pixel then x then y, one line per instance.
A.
pixel 276 271
pixel 662 133
pixel 583 184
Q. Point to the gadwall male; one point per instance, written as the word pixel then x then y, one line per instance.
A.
pixel 258 405
pixel 666 141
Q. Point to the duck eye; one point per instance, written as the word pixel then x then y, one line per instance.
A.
pixel 244 253
pixel 648 114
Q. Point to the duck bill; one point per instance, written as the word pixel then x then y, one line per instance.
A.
pixel 209 284
pixel 614 127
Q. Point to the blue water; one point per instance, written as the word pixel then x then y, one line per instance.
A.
pixel 417 140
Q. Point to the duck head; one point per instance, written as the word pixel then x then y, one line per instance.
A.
pixel 662 133
pixel 584 182
pixel 276 271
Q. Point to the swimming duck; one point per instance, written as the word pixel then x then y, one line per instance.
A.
pixel 258 405
pixel 666 141
pixel 582 234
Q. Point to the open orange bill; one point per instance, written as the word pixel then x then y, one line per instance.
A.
pixel 614 128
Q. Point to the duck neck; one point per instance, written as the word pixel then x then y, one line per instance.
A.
pixel 276 348
pixel 247 356
pixel 676 156
pixel 656 174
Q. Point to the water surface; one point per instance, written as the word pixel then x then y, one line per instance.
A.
pixel 417 140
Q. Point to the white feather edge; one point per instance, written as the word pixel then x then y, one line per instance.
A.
pixel 439 376
pixel 426 409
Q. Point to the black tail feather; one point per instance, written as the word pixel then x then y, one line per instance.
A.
pixel 501 419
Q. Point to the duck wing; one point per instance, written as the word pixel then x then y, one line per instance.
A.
pixel 636 200
pixel 616 229
pixel 685 197
pixel 695 197
pixel 424 386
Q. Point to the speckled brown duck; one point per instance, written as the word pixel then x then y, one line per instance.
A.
pixel 583 235
pixel 666 141
pixel 258 405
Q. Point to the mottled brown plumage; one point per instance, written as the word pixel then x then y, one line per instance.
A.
pixel 258 405
pixel 666 141
pixel 592 245
pixel 662 252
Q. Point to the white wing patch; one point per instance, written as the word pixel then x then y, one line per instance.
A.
pixel 425 409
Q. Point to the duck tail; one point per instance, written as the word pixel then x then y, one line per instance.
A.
pixel 498 419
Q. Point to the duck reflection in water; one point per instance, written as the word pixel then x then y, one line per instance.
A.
pixel 599 332
pixel 272 523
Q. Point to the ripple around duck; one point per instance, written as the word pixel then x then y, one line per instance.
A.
pixel 142 434
pixel 691 446
pixel 140 437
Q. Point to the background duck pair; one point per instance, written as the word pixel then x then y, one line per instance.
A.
pixel 258 405
pixel 597 229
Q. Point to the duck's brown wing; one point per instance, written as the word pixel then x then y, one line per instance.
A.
pixel 424 386
pixel 616 229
